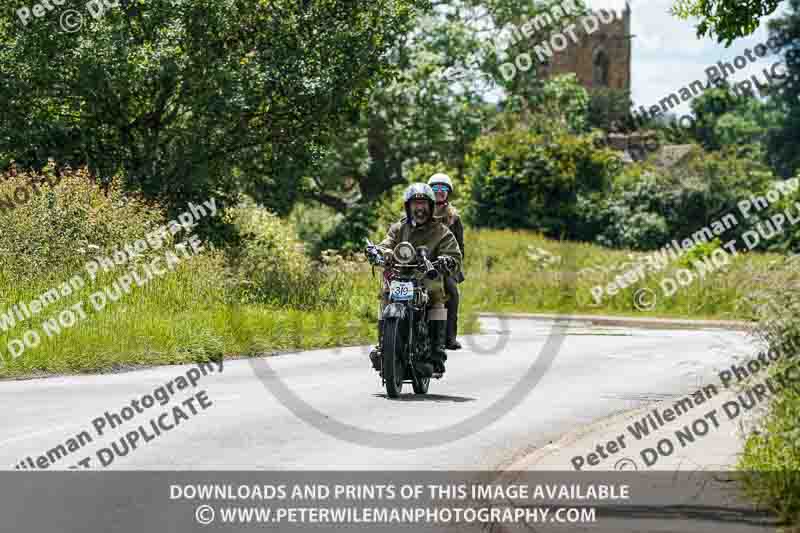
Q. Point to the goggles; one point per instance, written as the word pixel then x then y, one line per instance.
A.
pixel 440 188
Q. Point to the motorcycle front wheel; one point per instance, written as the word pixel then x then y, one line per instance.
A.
pixel 393 364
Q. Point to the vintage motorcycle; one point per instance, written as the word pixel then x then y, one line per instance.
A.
pixel 406 340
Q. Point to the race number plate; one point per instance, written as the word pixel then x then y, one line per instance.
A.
pixel 401 290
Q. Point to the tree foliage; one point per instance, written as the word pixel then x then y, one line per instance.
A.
pixel 190 98
pixel 646 208
pixel 433 109
pixel 608 108
pixel 428 113
pixel 724 119
pixel 726 20
pixel 781 142
pixel 518 179
pixel 437 104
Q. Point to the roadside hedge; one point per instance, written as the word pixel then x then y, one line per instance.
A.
pixel 521 180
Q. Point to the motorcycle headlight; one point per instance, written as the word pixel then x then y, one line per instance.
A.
pixel 404 252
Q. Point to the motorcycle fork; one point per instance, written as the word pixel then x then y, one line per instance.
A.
pixel 411 335
pixel 417 316
pixel 410 344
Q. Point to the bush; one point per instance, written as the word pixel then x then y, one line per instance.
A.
pixel 773 450
pixel 311 222
pixel 648 207
pixel 68 222
pixel 269 264
pixel 607 106
pixel 519 180
pixel 350 234
pixel 698 254
pixel 789 238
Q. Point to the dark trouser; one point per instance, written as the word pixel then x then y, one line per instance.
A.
pixel 451 288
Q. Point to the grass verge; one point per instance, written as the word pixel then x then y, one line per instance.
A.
pixel 192 315
pixel 772 452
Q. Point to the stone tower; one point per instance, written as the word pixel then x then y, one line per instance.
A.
pixel 601 59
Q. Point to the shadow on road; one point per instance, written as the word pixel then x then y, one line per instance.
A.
pixel 427 398
pixel 691 517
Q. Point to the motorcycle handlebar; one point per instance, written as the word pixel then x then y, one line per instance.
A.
pixel 429 268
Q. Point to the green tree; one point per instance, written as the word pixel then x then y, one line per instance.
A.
pixel 561 105
pixel 437 104
pixel 647 208
pixel 429 112
pixel 781 143
pixel 608 108
pixel 708 109
pixel 518 179
pixel 193 97
pixel 725 19
pixel 433 109
pixel 724 119
pixel 535 22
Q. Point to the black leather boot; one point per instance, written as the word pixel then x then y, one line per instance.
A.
pixel 376 354
pixel 452 317
pixel 438 330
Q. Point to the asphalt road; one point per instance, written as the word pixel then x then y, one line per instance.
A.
pixel 240 424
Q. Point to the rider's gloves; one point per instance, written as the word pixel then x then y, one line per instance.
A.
pixel 373 254
pixel 376 254
pixel 448 263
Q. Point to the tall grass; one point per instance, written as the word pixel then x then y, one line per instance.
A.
pixel 512 271
pixel 772 453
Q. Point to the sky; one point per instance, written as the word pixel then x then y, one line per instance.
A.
pixel 667 54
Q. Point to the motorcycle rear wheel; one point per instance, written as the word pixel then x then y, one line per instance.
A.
pixel 393 365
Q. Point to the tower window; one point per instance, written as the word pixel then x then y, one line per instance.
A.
pixel 600 68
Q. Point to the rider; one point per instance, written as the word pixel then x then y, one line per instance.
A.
pixel 420 229
pixel 442 187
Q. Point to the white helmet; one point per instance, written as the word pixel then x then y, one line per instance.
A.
pixel 441 179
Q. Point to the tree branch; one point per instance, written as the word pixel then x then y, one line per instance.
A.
pixel 329 200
